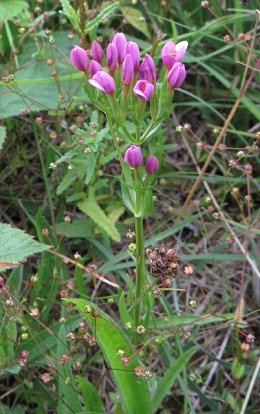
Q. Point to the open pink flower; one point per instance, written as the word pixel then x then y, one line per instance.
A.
pixel 172 53
pixel 103 81
pixel 143 90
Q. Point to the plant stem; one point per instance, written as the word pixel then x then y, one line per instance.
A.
pixel 140 267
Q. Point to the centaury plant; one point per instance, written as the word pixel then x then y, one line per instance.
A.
pixel 135 100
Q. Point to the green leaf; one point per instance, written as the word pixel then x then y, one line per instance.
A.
pixel 134 391
pixel 90 165
pixel 184 320
pixel 104 14
pixel 71 14
pixel 92 400
pixel 15 245
pixel 2 136
pixel 166 383
pixel 93 210
pixel 9 9
pixel 135 18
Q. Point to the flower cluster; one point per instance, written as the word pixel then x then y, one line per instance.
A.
pixel 134 158
pixel 123 63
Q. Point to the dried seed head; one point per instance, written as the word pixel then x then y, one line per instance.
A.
pixel 64 359
pixel 250 338
pixel 140 329
pixel 147 374
pixel 46 377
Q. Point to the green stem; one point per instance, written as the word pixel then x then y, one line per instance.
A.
pixel 140 267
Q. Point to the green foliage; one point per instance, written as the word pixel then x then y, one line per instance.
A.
pixel 71 14
pixel 136 19
pixel 92 400
pixel 2 136
pixel 104 14
pixel 11 8
pixel 134 391
pixel 15 245
pixel 94 211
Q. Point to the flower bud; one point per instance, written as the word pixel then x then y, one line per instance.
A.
pixel 143 90
pixel 134 157
pixel 79 58
pixel 119 40
pixel 128 70
pixel 94 67
pixel 152 164
pixel 176 75
pixel 172 53
pixel 97 51
pixel 112 57
pixel 103 81
pixel 133 49
pixel 147 69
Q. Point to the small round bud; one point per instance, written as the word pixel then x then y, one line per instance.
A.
pixel 130 235
pixel 132 247
pixel 193 303
pixel 179 128
pixel 140 329
pixel 24 336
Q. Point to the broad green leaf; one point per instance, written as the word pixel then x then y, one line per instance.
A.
pixel 2 136
pixel 184 320
pixel 15 280
pixel 90 166
pixel 15 245
pixel 124 314
pixel 134 391
pixel 92 400
pixel 68 394
pixel 93 210
pixel 135 18
pixel 104 14
pixel 71 14
pixel 11 8
pixel 166 383
pixel 66 182
pixel 116 214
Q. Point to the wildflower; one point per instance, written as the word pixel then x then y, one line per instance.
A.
pixel 64 359
pixel 112 57
pixel 125 360
pixel 70 336
pixel 128 70
pixel 147 69
pixel 132 247
pixel 188 270
pixel 133 49
pixel 67 219
pixel 147 374
pixel 143 90
pixel 103 81
pixel 172 53
pixel 94 67
pixel 97 51
pixel 140 329
pixel 152 164
pixel 250 338
pixel 134 157
pixel 35 312
pixel 119 40
pixel 138 371
pixel 245 347
pixel 176 75
pixel 233 163
pixel 120 352
pixel 87 309
pixel 130 235
pixel 79 58
pixel 193 303
pixel 248 169
pixel 46 377
pixel 23 358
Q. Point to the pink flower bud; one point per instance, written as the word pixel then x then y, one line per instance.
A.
pixel 104 82
pixel 112 57
pixel 147 69
pixel 143 90
pixel 94 67
pixel 79 58
pixel 172 53
pixel 134 157
pixel 133 49
pixel 176 75
pixel 128 70
pixel 97 51
pixel 152 164
pixel 119 40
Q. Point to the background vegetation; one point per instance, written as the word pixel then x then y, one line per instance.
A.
pixel 202 355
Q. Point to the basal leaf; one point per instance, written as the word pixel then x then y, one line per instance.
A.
pixel 92 400
pixel 15 245
pixel 134 391
pixel 93 210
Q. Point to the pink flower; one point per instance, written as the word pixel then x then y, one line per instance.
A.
pixel 172 53
pixel 147 69
pixel 94 67
pixel 112 57
pixel 133 49
pixel 176 75
pixel 103 81
pixel 128 70
pixel 79 58
pixel 134 157
pixel 97 51
pixel 143 90
pixel 152 164
pixel 119 40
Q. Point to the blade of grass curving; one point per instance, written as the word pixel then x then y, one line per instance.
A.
pixel 134 391
pixel 165 384
pixel 92 400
